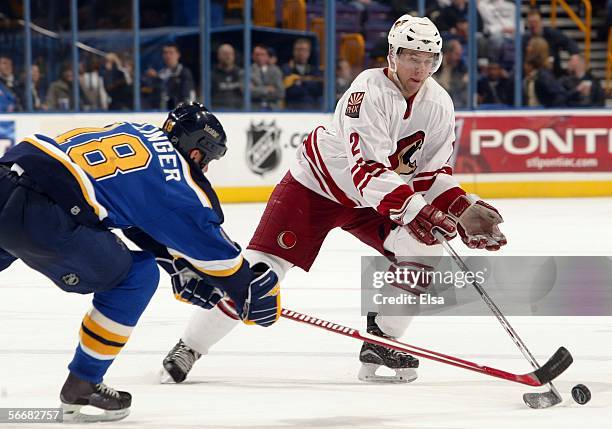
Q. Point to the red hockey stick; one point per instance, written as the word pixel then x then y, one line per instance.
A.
pixel 558 363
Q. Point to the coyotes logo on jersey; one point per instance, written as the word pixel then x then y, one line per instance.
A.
pixel 401 161
pixel 354 104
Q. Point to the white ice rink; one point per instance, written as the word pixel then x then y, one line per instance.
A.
pixel 295 376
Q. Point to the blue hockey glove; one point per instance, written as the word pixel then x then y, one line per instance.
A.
pixel 262 305
pixel 188 286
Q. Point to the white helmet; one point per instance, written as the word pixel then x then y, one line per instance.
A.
pixel 418 34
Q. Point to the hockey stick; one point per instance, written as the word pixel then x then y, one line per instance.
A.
pixel 533 400
pixel 550 370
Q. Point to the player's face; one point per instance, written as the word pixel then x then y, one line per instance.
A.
pixel 413 67
pixel 197 157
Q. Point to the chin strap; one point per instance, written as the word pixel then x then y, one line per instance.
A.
pixel 392 61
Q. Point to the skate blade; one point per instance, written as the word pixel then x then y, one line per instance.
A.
pixel 368 374
pixel 73 414
pixel 165 377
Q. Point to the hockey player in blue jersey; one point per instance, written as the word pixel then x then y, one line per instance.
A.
pixel 59 199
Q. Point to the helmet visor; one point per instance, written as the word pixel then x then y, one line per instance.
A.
pixel 415 60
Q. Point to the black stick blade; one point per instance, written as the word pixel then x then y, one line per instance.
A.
pixel 555 366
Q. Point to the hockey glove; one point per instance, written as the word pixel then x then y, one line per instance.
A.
pixel 188 286
pixel 421 219
pixel 477 223
pixel 262 305
pixel 428 220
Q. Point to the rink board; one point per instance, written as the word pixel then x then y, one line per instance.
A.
pixel 527 153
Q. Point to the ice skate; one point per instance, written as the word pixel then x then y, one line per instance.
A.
pixel 178 363
pixel 76 394
pixel 373 356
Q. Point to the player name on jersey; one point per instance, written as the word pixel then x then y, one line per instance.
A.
pixel 166 155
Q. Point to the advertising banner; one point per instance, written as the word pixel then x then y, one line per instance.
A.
pixel 533 144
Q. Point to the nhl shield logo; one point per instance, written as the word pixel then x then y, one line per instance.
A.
pixel 263 152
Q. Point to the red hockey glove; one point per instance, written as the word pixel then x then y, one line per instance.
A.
pixel 477 223
pixel 428 220
pixel 421 219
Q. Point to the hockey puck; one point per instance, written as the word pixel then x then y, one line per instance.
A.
pixel 581 394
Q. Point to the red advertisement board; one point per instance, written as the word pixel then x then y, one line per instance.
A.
pixel 531 144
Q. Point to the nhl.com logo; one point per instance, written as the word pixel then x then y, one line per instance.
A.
pixel 263 150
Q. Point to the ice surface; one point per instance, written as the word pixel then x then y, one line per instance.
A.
pixel 294 376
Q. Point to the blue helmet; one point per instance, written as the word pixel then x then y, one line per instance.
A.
pixel 192 126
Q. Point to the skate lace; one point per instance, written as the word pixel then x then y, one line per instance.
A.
pixel 105 390
pixel 183 356
pixel 396 354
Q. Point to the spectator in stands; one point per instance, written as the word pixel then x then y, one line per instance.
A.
pixel 555 38
pixel 273 56
pixel 92 85
pixel 267 90
pixel 453 74
pixel 461 33
pixel 451 14
pixel 7 76
pixel 303 82
pixel 177 83
pixel 150 91
pixel 7 99
pixel 540 86
pixel 9 86
pixel 59 96
pixel 227 80
pixel 498 18
pixel 344 77
pixel 118 81
pixel 38 91
pixel 584 89
pixel 495 87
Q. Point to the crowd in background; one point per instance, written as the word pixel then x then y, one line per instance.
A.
pixel 106 82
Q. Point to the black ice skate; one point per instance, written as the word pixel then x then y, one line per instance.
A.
pixel 373 356
pixel 178 363
pixel 77 393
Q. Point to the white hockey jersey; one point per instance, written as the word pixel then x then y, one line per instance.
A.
pixel 382 149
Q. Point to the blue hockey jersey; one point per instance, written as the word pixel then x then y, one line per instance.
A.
pixel 130 175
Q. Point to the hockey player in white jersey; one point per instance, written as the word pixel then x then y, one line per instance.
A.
pixel 381 173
